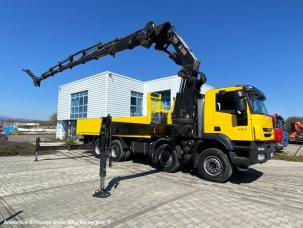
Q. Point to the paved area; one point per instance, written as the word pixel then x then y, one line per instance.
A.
pixel 31 138
pixel 57 191
pixel 294 149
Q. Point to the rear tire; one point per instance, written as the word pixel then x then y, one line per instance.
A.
pixel 214 165
pixel 96 151
pixel 127 155
pixel 117 152
pixel 167 158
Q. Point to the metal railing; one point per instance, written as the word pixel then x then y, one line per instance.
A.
pixel 42 148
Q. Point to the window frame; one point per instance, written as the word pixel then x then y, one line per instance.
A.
pixel 260 102
pixel 138 107
pixel 168 95
pixel 233 112
pixel 78 101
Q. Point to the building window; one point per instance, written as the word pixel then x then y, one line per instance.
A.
pixel 136 104
pixel 225 102
pixel 78 105
pixel 165 98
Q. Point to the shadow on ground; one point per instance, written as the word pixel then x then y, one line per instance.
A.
pixel 238 177
pixel 249 176
pixel 116 181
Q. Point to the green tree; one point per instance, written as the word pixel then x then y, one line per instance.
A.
pixel 53 119
pixel 293 119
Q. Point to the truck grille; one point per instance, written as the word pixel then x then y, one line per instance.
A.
pixel 267 129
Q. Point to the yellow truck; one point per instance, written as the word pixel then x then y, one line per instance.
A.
pixel 227 140
pixel 224 130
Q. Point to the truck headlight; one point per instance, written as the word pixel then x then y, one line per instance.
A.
pixel 261 157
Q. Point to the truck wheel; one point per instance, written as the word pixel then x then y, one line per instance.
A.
pixel 127 155
pixel 96 150
pixel 117 152
pixel 278 149
pixel 167 158
pixel 214 165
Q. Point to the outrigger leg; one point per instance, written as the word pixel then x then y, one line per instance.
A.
pixel 104 146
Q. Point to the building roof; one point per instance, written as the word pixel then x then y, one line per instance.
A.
pixel 122 76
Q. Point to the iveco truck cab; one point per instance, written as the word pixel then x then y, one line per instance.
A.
pixel 238 117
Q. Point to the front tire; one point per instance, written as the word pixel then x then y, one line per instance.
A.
pixel 214 165
pixel 167 158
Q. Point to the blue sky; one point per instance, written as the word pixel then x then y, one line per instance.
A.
pixel 238 42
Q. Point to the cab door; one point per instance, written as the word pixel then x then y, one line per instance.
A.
pixel 226 121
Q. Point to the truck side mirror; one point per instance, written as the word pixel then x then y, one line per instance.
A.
pixel 241 109
pixel 241 105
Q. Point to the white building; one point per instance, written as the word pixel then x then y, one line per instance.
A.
pixel 110 93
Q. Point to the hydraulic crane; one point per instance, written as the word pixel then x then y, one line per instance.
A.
pixel 184 116
pixel 222 130
pixel 162 36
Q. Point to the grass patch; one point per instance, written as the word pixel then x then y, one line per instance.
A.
pixel 19 148
pixel 70 143
pixel 287 157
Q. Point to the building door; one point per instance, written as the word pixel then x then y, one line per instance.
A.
pixel 72 124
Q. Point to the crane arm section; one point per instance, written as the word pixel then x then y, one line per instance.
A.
pixel 162 36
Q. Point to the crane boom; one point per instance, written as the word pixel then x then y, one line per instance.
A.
pixel 162 37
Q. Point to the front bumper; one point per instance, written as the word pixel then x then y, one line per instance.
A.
pixel 253 154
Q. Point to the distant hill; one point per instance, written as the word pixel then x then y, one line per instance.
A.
pixel 4 117
pixel 7 118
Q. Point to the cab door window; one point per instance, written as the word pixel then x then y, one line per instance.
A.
pixel 225 102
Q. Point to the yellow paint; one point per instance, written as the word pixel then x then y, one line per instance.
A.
pixel 259 122
pixel 228 123
pixel 135 136
pixel 91 126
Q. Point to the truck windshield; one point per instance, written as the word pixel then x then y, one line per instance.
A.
pixel 280 123
pixel 257 105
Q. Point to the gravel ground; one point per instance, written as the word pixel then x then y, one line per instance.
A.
pixel 30 138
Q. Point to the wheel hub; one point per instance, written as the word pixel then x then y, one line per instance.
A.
pixel 97 150
pixel 114 152
pixel 165 158
pixel 212 166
